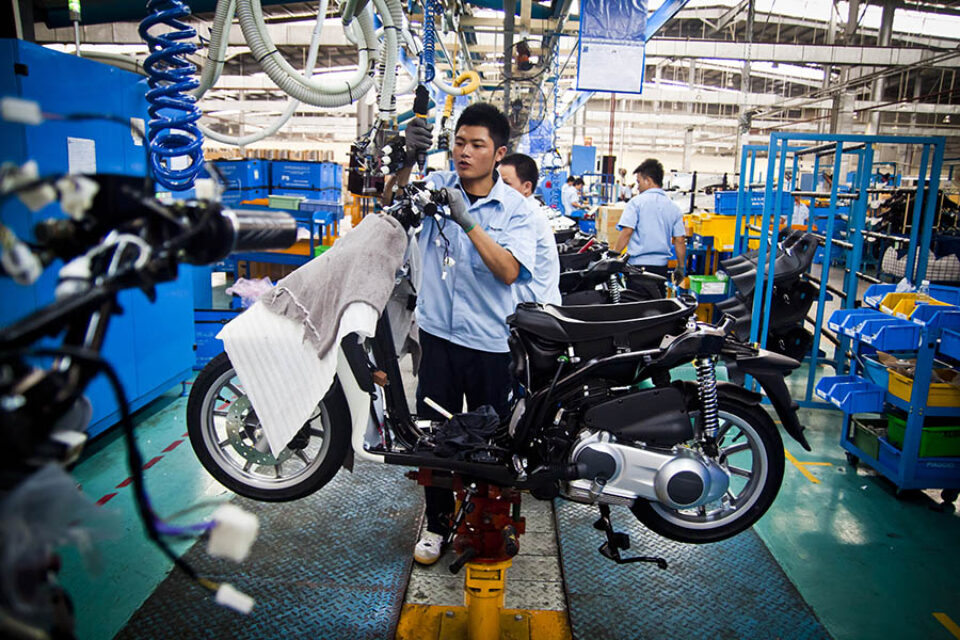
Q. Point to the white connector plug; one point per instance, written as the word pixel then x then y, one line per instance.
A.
pixel 233 534
pixel 20 110
pixel 228 596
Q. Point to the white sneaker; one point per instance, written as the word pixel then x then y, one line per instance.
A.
pixel 429 548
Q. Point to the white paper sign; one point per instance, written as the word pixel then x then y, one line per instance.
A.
pixel 81 155
pixel 611 66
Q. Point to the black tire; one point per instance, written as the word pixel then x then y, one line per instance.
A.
pixel 237 462
pixel 852 460
pixel 766 450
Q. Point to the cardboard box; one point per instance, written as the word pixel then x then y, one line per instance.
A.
pixel 607 218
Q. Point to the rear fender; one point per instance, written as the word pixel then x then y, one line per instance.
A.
pixel 770 369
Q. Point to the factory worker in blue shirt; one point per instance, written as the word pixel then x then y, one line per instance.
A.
pixel 570 198
pixel 520 172
pixel 470 260
pixel 650 223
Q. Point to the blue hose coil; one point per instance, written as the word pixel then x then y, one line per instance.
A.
pixel 429 40
pixel 172 131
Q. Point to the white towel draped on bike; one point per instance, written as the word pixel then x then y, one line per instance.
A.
pixel 283 347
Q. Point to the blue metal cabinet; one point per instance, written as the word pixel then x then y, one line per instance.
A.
pixel 150 346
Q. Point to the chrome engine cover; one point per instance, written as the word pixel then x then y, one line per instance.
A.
pixel 680 478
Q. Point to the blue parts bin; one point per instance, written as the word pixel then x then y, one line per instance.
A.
pixel 851 394
pixel 875 293
pixel 725 203
pixel 950 344
pixel 875 328
pixel 876 372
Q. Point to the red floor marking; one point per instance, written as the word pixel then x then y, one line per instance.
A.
pixel 185 435
pixel 152 462
pixel 173 446
pixel 105 499
pixel 124 483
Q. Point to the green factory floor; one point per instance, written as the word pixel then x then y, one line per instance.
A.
pixel 869 564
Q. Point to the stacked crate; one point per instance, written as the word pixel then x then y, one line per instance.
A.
pixel 244 180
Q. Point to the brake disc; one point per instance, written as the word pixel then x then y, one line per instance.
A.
pixel 244 437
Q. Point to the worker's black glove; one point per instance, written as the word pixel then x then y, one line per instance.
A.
pixel 419 136
pixel 678 275
pixel 458 209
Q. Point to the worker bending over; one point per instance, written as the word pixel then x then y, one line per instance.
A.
pixel 470 261
pixel 649 223
pixel 520 172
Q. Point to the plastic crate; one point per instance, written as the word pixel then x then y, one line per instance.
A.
pixel 889 334
pixel 875 293
pixel 936 441
pixel 285 202
pixel 319 249
pixel 207 324
pixel 940 394
pixel 851 394
pixel 950 344
pixel 876 372
pixel 588 226
pixel 902 305
pixel 725 202
pixel 244 174
pixel 943 293
pixel 233 198
pixel 937 316
pixel 865 434
pixel 708 285
pixel 847 321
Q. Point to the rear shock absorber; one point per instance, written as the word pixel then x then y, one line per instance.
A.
pixel 427 68
pixel 707 389
pixel 614 286
pixel 172 132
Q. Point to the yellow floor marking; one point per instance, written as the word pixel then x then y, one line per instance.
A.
pixel 802 466
pixel 951 626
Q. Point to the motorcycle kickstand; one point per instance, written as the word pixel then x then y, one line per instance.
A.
pixel 617 542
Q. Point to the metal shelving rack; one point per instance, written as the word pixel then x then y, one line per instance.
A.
pixel 904 467
pixel 788 148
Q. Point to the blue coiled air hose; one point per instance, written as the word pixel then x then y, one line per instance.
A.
pixel 429 40
pixel 172 131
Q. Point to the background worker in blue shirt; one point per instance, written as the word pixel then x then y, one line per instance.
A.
pixel 570 198
pixel 650 223
pixel 470 261
pixel 520 172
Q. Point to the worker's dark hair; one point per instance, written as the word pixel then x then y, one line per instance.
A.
pixel 577 181
pixel 525 166
pixel 652 169
pixel 571 179
pixel 486 115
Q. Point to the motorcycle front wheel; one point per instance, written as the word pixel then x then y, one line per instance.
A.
pixel 229 442
pixel 751 452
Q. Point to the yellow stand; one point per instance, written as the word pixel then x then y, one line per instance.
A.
pixel 483 617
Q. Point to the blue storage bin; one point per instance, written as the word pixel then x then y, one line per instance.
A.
pixel 234 198
pixel 889 334
pixel 244 174
pixel 950 344
pixel 943 293
pixel 846 321
pixel 874 294
pixel 725 203
pixel 296 175
pixel 851 394
pixel 876 372
pixel 588 226
pixel 207 324
pixel 936 316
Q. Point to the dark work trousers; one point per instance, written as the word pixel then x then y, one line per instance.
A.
pixel 660 270
pixel 448 374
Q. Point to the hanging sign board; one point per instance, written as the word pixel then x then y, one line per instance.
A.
pixel 611 50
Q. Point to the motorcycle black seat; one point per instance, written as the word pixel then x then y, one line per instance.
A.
pixel 602 329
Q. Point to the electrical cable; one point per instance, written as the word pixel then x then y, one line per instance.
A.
pixel 134 457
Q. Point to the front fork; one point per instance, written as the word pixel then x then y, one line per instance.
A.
pixel 707 427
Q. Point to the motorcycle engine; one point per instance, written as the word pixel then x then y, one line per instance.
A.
pixel 620 473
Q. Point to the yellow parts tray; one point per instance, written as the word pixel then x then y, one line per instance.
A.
pixel 941 394
pixel 903 304
pixel 721 228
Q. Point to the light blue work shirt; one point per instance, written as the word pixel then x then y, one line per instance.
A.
pixel 655 221
pixel 469 306
pixel 544 286
pixel 568 196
